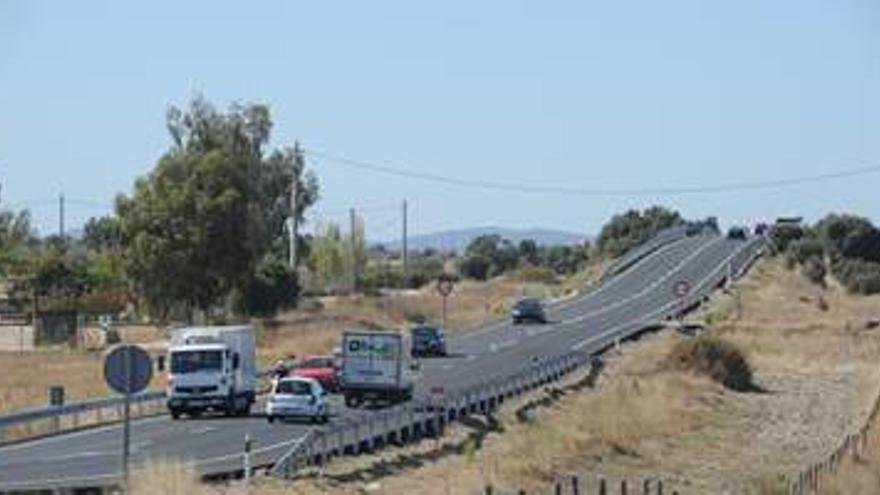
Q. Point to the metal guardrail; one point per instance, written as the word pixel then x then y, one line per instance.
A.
pixel 665 236
pixel 422 418
pixel 417 419
pixel 74 410
pixel 428 417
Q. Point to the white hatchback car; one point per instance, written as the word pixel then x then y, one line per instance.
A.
pixel 297 397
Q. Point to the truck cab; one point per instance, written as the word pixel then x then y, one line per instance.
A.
pixel 211 369
pixel 427 341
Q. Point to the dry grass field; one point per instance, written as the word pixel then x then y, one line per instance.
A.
pixel 314 329
pixel 815 369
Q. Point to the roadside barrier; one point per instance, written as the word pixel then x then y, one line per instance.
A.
pixel 427 418
pixel 635 254
pixel 574 485
pixel 420 419
pixel 813 478
pixel 47 420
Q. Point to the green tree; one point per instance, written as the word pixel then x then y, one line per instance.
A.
pixel 17 241
pixel 626 231
pixel 200 225
pixel 102 233
pixel 528 251
pixel 327 256
pixel 850 236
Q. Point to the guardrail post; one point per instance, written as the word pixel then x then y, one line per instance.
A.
pixel 646 487
pixel 575 485
pixel 622 487
pixel 247 458
pixel 340 432
pixel 603 489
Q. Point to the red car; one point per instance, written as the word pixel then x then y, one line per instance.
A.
pixel 321 368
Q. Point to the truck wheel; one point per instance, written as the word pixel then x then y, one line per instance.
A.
pixel 175 413
pixel 271 419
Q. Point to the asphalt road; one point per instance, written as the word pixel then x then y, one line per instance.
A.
pixel 642 293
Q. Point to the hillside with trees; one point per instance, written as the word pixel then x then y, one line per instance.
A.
pixel 846 246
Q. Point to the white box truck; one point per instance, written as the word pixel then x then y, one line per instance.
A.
pixel 375 368
pixel 211 369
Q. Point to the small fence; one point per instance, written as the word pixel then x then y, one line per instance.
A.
pixel 399 424
pixel 418 419
pixel 597 485
pixel 55 419
pixel 811 480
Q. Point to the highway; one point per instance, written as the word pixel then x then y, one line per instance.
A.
pixel 641 294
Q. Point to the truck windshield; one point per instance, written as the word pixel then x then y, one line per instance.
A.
pixel 425 333
pixel 192 361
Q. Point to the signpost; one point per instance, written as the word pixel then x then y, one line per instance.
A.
pixel 445 284
pixel 128 370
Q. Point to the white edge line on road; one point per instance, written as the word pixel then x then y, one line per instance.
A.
pixel 647 288
pixel 580 345
pixel 584 297
pixel 267 448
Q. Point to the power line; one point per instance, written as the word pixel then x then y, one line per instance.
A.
pixel 647 191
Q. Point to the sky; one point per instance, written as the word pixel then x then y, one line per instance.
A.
pixel 582 94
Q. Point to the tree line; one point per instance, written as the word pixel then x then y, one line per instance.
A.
pixel 203 232
pixel 843 245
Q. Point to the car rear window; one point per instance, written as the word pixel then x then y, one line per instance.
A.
pixel 528 304
pixel 293 388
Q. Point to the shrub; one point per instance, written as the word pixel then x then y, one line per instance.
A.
pixel 475 266
pixel 537 274
pixel 814 270
pixel 784 234
pixel 802 250
pixel 858 276
pixel 624 232
pixel 720 360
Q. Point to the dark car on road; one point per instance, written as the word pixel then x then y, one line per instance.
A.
pixel 427 341
pixel 737 233
pixel 528 310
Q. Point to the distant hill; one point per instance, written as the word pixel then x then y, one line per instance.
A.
pixel 457 240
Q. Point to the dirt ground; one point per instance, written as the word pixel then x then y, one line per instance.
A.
pixel 815 365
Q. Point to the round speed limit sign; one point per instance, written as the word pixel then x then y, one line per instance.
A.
pixel 445 284
pixel 681 288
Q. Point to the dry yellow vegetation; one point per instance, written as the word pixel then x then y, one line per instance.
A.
pixel 315 329
pixel 816 372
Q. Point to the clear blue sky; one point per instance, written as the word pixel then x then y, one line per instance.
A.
pixel 585 94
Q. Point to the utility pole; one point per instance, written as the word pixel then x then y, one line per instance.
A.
pixel 293 224
pixel 404 252
pixel 354 267
pixel 61 216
